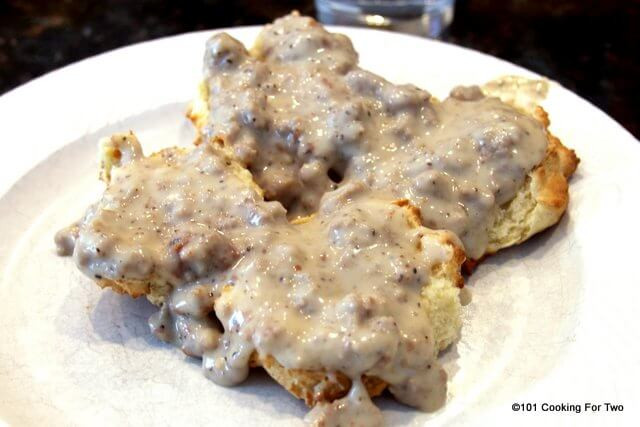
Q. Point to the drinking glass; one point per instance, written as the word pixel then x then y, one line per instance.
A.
pixel 423 17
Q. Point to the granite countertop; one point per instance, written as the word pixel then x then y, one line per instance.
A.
pixel 589 46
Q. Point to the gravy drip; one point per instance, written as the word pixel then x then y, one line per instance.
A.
pixel 355 410
pixel 303 117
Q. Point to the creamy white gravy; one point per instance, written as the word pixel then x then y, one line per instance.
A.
pixel 301 114
pixel 336 292
pixel 156 218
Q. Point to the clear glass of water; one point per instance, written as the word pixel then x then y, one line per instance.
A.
pixel 423 17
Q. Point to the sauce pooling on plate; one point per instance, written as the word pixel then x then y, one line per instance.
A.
pixel 304 118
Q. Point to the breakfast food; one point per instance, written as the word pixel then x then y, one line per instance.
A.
pixel 240 286
pixel 300 114
pixel 319 225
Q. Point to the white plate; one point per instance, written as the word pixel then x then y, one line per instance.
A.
pixel 552 321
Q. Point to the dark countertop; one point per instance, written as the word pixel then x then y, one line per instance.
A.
pixel 590 46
